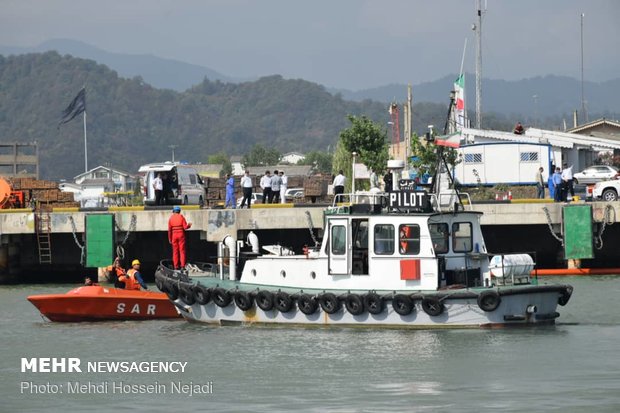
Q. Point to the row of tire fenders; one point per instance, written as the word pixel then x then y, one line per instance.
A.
pixel 356 304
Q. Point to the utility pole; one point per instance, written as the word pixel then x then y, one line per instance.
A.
pixel 173 147
pixel 478 30
pixel 584 113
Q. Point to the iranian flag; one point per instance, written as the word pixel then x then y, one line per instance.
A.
pixel 459 98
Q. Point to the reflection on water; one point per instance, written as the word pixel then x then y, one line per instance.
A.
pixel 569 366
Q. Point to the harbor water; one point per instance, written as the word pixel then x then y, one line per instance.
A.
pixel 573 366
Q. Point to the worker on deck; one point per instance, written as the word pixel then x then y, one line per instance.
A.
pixel 518 130
pixel 88 282
pixel 133 279
pixel 176 236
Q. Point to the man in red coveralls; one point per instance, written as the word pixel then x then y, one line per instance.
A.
pixel 176 236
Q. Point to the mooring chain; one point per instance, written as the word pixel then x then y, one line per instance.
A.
pixel 607 220
pixel 74 233
pixel 551 226
pixel 311 228
pixel 120 251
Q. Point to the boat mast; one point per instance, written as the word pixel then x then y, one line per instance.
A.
pixel 478 30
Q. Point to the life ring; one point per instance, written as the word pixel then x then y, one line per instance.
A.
pixel 489 300
pixel 307 304
pixel 171 289
pixel 244 300
pixel 264 300
pixel 283 302
pixel 373 303
pixel 565 295
pixel 201 294
pixel 354 304
pixel 330 303
pixel 432 306
pixel 221 297
pixel 402 304
pixel 186 294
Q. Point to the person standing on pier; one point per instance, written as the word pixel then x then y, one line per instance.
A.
pixel 540 183
pixel 283 186
pixel 176 236
pixel 246 186
pixel 265 183
pixel 557 185
pixel 275 188
pixel 230 192
pixel 158 186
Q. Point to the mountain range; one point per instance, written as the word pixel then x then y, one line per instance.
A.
pixel 530 100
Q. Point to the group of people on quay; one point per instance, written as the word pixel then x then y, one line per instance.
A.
pixel 274 188
pixel 560 183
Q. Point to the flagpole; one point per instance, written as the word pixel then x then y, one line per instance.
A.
pixel 85 145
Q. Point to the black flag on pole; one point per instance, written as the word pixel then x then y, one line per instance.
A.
pixel 75 108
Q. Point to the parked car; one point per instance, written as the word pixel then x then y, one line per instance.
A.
pixel 594 174
pixel 294 193
pixel 606 190
pixel 183 182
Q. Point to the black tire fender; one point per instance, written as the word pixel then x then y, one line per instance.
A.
pixel 283 302
pixel 264 300
pixel 244 300
pixel 171 289
pixel 489 300
pixel 330 303
pixel 221 297
pixel 374 303
pixel 186 294
pixel 432 306
pixel 403 304
pixel 354 304
pixel 307 304
pixel 201 294
pixel 565 295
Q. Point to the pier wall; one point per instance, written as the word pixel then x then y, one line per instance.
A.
pixel 507 228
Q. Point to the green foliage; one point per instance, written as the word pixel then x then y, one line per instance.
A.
pixel 426 153
pixel 223 159
pixel 343 161
pixel 259 156
pixel 369 140
pixel 321 161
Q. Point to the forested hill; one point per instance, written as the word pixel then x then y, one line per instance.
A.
pixel 130 123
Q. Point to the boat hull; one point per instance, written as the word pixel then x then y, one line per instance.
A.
pixel 98 303
pixel 460 309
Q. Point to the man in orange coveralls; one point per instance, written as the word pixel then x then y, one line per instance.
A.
pixel 176 236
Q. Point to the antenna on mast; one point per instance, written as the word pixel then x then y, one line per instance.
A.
pixel 478 29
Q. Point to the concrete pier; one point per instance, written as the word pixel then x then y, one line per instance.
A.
pixel 507 227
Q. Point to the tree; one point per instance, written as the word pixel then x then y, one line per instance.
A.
pixel 223 159
pixel 425 156
pixel 368 140
pixel 260 156
pixel 321 161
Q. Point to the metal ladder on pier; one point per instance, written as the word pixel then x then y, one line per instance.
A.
pixel 43 228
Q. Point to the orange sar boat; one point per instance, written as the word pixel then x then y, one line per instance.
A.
pixel 99 303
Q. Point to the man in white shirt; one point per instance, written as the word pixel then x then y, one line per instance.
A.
pixel 339 182
pixel 283 186
pixel 265 184
pixel 246 186
pixel 158 187
pixel 567 182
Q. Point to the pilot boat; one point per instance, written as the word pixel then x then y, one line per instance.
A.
pixel 406 259
pixel 99 303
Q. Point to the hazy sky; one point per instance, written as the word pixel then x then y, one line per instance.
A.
pixel 351 44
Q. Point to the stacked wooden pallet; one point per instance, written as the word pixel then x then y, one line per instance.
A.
pixel 44 192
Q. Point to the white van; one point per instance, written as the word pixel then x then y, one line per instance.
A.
pixel 182 184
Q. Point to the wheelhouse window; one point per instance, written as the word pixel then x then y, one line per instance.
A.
pixel 439 237
pixel 339 240
pixel 409 239
pixel 462 237
pixel 384 239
